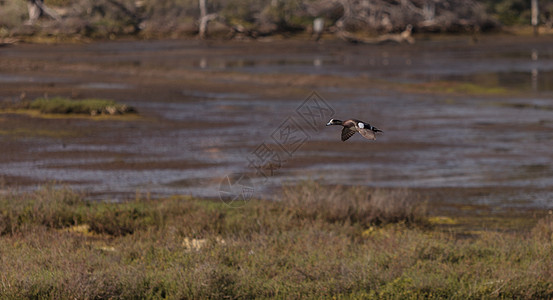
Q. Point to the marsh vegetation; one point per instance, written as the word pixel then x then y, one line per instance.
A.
pixel 62 105
pixel 360 243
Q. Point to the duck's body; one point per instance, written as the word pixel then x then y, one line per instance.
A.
pixel 352 126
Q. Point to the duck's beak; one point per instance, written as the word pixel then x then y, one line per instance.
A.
pixel 328 124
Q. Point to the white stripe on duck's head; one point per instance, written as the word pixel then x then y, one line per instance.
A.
pixel 334 122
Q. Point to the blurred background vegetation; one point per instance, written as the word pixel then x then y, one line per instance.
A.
pixel 253 18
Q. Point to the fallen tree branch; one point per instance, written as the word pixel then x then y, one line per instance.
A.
pixel 403 37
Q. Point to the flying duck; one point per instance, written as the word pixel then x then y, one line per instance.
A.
pixel 352 125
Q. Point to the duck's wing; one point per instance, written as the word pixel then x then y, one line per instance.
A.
pixel 347 133
pixel 366 133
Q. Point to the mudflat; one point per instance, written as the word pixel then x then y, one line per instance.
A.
pixel 467 122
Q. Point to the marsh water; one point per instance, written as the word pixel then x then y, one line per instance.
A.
pixel 471 120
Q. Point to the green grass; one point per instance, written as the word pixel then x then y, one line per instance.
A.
pixel 315 242
pixel 61 105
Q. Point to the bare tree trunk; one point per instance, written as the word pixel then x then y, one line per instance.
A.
pixel 535 15
pixel 429 11
pixel 346 4
pixel 318 28
pixel 205 18
pixel 34 11
pixel 203 8
pixel 37 9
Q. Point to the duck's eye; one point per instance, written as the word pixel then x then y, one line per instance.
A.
pixel 361 125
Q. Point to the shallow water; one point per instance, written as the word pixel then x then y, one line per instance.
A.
pixel 455 114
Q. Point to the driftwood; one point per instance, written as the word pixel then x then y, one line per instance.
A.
pixel 8 41
pixel 403 37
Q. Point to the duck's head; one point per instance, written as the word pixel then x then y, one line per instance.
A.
pixel 334 122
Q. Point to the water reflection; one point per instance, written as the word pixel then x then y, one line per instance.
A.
pixel 535 72
pixel 203 63
pixel 535 80
pixel 534 55
pixel 511 70
pixel 317 62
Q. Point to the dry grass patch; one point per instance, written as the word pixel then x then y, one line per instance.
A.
pixel 355 204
